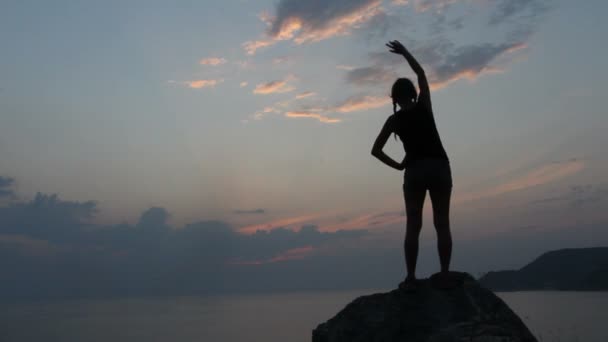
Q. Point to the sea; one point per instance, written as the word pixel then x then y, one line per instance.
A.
pixel 551 316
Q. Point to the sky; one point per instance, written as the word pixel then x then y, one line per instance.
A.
pixel 143 142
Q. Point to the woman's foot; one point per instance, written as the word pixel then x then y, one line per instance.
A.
pixel 409 284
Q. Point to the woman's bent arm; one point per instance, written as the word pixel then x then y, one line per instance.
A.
pixel 377 151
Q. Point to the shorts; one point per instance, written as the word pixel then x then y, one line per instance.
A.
pixel 428 174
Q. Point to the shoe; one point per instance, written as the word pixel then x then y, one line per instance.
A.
pixel 408 285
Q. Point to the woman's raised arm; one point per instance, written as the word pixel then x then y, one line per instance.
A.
pixel 425 94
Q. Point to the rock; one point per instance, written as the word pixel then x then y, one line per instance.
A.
pixel 568 269
pixel 437 310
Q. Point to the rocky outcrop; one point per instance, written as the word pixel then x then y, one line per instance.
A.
pixel 463 312
pixel 571 269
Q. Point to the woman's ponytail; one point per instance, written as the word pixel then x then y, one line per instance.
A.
pixel 395 113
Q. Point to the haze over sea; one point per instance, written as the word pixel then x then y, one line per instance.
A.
pixel 552 316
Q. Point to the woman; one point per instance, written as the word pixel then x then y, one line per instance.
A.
pixel 426 164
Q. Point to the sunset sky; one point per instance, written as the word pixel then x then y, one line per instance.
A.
pixel 262 114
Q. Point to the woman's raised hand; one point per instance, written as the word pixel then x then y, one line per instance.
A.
pixel 396 47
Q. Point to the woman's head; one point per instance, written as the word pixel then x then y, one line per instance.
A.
pixel 403 92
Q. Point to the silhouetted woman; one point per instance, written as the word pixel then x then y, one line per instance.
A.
pixel 426 163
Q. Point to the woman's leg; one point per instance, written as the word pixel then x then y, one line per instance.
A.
pixel 414 202
pixel 440 198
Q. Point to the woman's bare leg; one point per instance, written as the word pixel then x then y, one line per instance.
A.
pixel 414 202
pixel 440 199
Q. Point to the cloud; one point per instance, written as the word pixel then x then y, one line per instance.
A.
pixel 444 54
pixel 509 9
pixel 577 196
pixel 281 60
pixel 359 103
pixel 267 110
pixel 581 195
pixel 345 67
pixel 53 249
pixel 26 246
pixel 315 20
pixel 283 222
pixel 373 75
pixel 324 113
pixel 274 87
pixel 305 95
pixel 437 5
pixel 469 62
pixel 6 184
pixel 290 254
pixel 251 211
pixel 367 221
pixel 49 247
pixel 245 65
pixel 543 174
pixel 310 114
pixel 276 108
pixel 251 47
pixel 213 61
pixel 444 63
pixel 198 84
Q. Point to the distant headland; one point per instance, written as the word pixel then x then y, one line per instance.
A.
pixel 571 269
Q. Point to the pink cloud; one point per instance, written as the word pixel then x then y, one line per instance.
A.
pixel 304 22
pixel 305 95
pixel 353 104
pixel 282 222
pixel 297 253
pixel 313 115
pixel 538 176
pixel 272 87
pixel 359 103
pixel 198 84
pixel 366 221
pixel 213 61
pixel 471 63
pixel 251 47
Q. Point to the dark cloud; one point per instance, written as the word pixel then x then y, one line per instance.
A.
pixel 577 196
pixel 468 61
pixel 527 10
pixel 443 60
pixel 445 56
pixel 315 20
pixel 251 211
pixel 46 217
pixel 456 23
pixel 49 247
pixel 380 25
pixel 587 194
pixel 6 184
pixel 385 59
pixel 315 15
